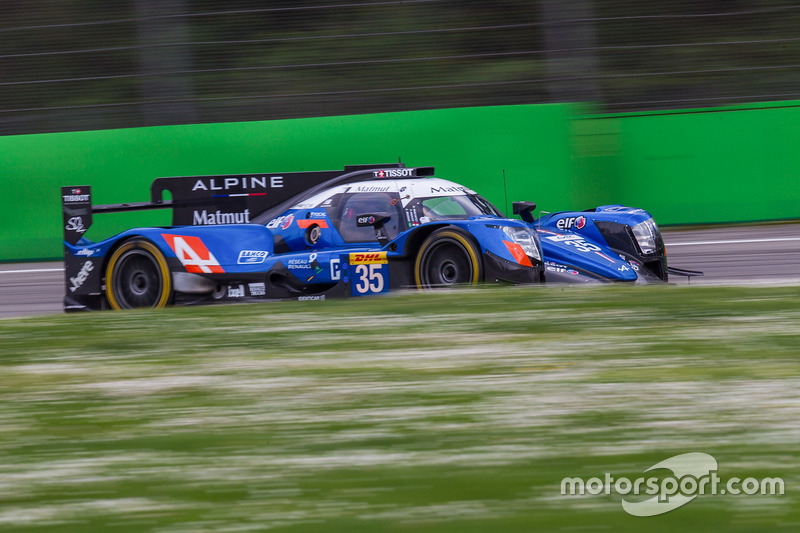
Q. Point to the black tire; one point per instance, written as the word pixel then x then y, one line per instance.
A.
pixel 137 276
pixel 448 257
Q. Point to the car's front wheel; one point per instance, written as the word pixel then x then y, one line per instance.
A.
pixel 448 257
pixel 137 275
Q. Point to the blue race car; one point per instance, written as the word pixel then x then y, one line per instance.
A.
pixel 368 229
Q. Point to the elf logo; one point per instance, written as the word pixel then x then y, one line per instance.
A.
pixel 193 254
pixel 571 223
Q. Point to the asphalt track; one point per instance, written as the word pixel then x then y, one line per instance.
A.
pixel 764 253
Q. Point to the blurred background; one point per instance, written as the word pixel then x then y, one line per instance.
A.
pixel 68 65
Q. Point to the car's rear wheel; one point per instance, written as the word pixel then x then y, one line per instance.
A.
pixel 137 276
pixel 448 257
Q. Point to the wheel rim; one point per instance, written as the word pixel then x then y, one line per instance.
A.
pixel 446 263
pixel 137 280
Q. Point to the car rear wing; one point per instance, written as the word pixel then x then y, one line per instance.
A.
pixel 228 199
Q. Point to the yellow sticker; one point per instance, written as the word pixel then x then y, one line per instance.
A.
pixel 368 258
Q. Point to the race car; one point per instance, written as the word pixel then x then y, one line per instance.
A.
pixel 367 229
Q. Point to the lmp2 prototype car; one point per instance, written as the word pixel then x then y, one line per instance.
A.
pixel 368 229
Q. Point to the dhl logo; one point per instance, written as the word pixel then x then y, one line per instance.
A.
pixel 368 258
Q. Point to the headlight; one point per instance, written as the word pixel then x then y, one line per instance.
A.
pixel 646 233
pixel 526 238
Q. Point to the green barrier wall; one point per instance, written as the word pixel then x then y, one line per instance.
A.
pixel 738 164
pixel 472 146
pixel 705 166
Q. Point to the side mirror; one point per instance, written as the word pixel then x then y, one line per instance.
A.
pixel 524 210
pixel 376 220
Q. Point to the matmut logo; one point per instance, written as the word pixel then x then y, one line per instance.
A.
pixel 368 258
pixel 193 254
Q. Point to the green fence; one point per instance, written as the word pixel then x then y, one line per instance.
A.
pixel 472 146
pixel 735 164
pixel 720 165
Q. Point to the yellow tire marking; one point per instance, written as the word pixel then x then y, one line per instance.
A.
pixel 467 246
pixel 166 279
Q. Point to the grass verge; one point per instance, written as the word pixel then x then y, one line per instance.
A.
pixel 458 411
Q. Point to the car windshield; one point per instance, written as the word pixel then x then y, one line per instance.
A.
pixel 461 206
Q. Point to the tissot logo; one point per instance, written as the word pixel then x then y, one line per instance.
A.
pixel 238 182
pixel 75 198
pixel 394 173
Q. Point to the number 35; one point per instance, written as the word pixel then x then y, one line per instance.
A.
pixel 370 279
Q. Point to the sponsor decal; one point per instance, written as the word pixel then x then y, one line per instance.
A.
pixel 79 279
pixel 369 188
pixel 336 269
pixel 304 223
pixel 557 237
pixel 623 268
pixel 252 257
pixel 305 263
pixel 394 173
pixel 236 291
pixel 368 258
pixel 313 298
pixel 237 182
pixel 278 222
pixel 317 214
pixel 257 289
pixel 561 269
pixel 577 242
pixel 313 263
pixel 437 190
pixel 604 256
pixel 297 263
pixel 84 253
pixel 75 224
pixel 571 223
pixel 518 253
pixel 204 218
pixel 75 197
pixel 365 221
pixel 287 222
pixel 193 254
